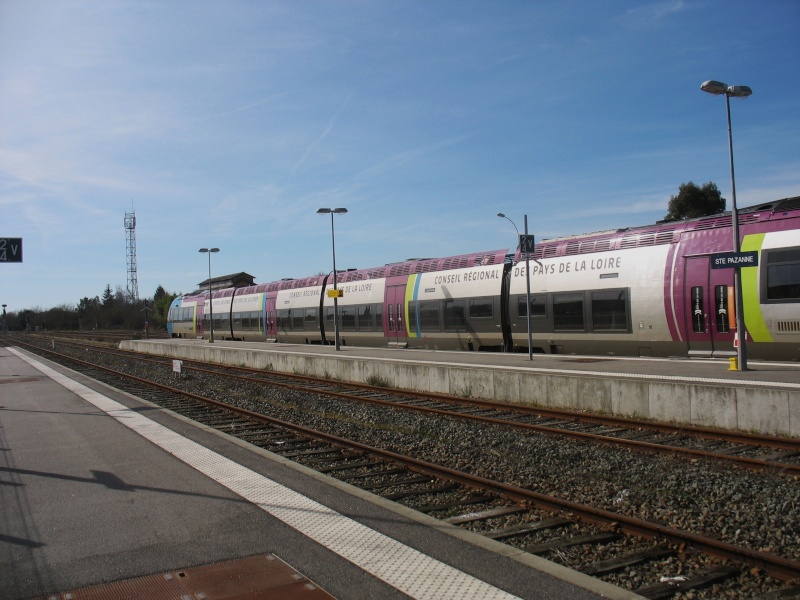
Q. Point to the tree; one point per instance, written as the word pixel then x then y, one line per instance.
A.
pixel 108 295
pixel 160 308
pixel 693 201
pixel 88 312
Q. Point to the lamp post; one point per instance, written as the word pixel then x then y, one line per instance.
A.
pixel 334 211
pixel 210 251
pixel 718 88
pixel 523 246
pixel 5 328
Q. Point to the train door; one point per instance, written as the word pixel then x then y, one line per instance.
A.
pixel 270 321
pixel 395 326
pixel 708 295
pixel 200 318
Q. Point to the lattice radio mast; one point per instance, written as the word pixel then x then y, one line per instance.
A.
pixel 130 246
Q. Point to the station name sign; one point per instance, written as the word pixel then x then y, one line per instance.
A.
pixel 734 260
pixel 11 250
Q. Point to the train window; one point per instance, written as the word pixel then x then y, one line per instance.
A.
pixel 481 308
pixel 237 321
pixel 698 311
pixel 568 312
pixel 610 310
pixel 364 312
pixel 297 320
pixel 255 321
pixel 783 275
pixel 285 320
pixel 721 308
pixel 378 310
pixel 454 314
pixel 347 318
pixel 391 317
pixel 428 315
pixel 538 306
pixel 311 319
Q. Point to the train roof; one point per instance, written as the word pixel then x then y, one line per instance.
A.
pixel 426 265
pixel 662 232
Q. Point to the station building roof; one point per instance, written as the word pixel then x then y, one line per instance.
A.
pixel 226 281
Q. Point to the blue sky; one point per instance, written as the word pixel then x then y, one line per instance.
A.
pixel 229 124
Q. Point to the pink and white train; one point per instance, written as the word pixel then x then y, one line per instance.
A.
pixel 643 291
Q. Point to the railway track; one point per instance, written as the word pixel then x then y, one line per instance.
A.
pixel 742 449
pixel 536 522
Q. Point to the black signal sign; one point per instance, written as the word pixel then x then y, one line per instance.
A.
pixel 10 249
pixel 526 243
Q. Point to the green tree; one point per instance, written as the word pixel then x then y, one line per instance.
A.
pixel 88 312
pixel 162 300
pixel 60 318
pixel 693 201
pixel 108 295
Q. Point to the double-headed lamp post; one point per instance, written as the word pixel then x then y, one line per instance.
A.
pixel 523 246
pixel 717 88
pixel 210 251
pixel 334 211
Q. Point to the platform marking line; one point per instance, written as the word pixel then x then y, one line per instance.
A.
pixel 398 565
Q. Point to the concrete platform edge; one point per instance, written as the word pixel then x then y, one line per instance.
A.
pixel 753 407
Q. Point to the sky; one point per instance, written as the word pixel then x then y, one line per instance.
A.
pixel 228 124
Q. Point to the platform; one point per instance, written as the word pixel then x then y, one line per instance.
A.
pixel 703 392
pixel 100 487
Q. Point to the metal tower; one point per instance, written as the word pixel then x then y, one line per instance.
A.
pixel 130 228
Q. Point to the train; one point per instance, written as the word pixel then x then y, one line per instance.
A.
pixel 659 290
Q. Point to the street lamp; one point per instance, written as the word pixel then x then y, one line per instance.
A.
pixel 334 211
pixel 718 88
pixel 210 251
pixel 523 246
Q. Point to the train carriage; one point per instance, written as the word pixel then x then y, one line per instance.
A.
pixel 246 320
pixel 457 309
pixel 581 302
pixel 297 309
pixel 182 317
pixel 361 310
